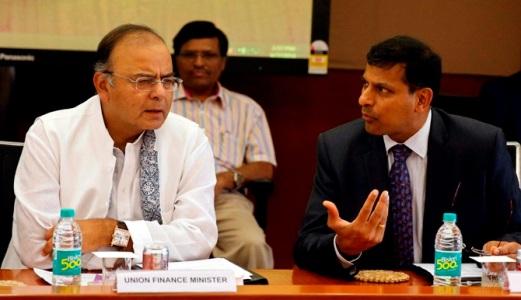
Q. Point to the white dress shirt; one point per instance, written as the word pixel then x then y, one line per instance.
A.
pixel 68 161
pixel 417 167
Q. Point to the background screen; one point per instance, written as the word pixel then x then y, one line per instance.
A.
pixel 47 48
pixel 255 28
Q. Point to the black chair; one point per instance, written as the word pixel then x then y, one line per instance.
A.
pixel 259 192
pixel 9 156
pixel 501 100
pixel 470 107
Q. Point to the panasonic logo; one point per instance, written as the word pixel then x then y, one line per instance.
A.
pixel 10 57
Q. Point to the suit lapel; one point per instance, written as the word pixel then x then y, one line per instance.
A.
pixel 377 170
pixel 375 161
pixel 443 172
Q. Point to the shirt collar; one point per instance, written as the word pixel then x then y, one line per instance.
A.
pixel 181 94
pixel 418 142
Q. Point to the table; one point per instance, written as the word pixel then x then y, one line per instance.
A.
pixel 284 284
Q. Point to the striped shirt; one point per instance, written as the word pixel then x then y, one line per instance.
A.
pixel 235 125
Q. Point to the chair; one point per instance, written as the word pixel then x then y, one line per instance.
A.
pixel 514 148
pixel 259 192
pixel 501 99
pixel 459 105
pixel 9 155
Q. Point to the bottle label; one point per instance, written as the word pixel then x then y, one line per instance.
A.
pixel 66 262
pixel 447 263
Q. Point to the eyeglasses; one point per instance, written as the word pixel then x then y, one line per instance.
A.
pixel 149 83
pixel 206 56
pixel 479 252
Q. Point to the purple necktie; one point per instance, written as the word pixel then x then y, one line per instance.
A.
pixel 401 205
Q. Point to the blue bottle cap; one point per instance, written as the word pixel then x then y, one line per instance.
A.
pixel 449 217
pixel 67 213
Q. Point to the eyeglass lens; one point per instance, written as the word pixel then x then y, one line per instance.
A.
pixel 146 83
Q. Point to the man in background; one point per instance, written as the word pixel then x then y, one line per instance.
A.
pixel 121 160
pixel 383 182
pixel 240 136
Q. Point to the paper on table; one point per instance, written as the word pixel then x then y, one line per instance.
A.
pixel 514 280
pixel 114 254
pixel 211 264
pixel 468 270
pixel 493 259
pixel 86 278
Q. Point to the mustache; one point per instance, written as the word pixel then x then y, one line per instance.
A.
pixel 366 110
pixel 201 68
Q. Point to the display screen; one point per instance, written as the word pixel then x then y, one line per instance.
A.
pixel 266 28
pixel 47 47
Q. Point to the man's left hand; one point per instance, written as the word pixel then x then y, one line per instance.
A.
pixel 503 248
pixel 224 182
pixel 96 233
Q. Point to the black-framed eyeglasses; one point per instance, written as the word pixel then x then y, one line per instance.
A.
pixel 206 56
pixel 149 83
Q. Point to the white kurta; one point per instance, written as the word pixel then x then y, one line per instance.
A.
pixel 68 161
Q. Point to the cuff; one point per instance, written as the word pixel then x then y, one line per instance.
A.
pixel 346 263
pixel 140 236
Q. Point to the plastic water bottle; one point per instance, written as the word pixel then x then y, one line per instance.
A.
pixel 447 252
pixel 66 254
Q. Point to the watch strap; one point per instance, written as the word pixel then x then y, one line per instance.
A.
pixel 121 235
pixel 238 179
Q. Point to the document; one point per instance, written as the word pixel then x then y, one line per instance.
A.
pixel 212 264
pixel 86 278
pixel 470 272
pixel 241 275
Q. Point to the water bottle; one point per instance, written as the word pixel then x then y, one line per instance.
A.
pixel 447 252
pixel 66 252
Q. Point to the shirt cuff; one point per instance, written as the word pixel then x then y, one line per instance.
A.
pixel 344 262
pixel 140 237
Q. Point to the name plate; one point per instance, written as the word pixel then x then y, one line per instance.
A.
pixel 514 280
pixel 151 281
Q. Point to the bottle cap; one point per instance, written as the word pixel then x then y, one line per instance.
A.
pixel 449 217
pixel 67 213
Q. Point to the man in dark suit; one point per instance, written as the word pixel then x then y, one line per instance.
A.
pixel 455 164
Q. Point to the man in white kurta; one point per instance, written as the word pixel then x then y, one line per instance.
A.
pixel 87 158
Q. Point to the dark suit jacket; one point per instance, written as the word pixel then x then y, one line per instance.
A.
pixel 461 151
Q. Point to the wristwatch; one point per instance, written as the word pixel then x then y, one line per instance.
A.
pixel 121 235
pixel 238 179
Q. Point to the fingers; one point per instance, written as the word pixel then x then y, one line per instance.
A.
pixel 47 249
pixel 332 211
pixel 366 230
pixel 381 210
pixel 506 248
pixel 48 233
pixel 501 248
pixel 377 219
pixel 366 210
pixel 333 217
pixel 375 215
pixel 490 246
pixel 370 214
